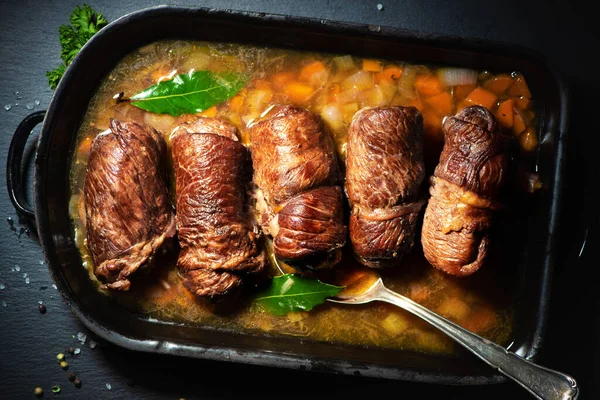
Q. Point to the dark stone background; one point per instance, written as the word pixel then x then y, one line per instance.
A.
pixel 565 32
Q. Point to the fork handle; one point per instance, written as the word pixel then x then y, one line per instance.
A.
pixel 543 383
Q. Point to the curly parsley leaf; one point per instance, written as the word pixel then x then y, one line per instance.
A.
pixel 85 23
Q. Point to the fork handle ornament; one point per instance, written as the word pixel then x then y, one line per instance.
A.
pixel 543 383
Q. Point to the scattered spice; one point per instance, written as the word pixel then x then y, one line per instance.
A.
pixel 77 351
pixel 71 350
pixel 81 337
pixel 71 377
pixel 77 383
pixel 93 344
pixel 64 365
pixel 39 392
pixel 56 389
pixel 108 386
pixel 60 357
pixel 42 309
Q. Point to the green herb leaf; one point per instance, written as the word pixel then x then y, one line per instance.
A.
pixel 189 93
pixel 56 389
pixel 291 292
pixel 85 22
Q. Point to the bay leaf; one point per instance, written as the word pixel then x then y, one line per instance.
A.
pixel 189 93
pixel 292 292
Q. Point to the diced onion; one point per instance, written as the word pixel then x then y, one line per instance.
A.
pixel 343 63
pixel 406 82
pixel 457 76
pixel 332 115
pixel 375 97
pixel 361 80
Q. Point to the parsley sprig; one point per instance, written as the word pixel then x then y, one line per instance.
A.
pixel 85 23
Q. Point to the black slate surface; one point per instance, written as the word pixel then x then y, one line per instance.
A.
pixel 565 32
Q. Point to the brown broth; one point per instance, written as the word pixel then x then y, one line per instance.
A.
pixel 319 82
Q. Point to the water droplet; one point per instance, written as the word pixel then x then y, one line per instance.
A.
pixel 380 7
pixel 17 268
pixel 2 287
pixel 27 281
pixel 108 386
pixel 29 106
pixel 37 102
pixel 4 304
pixel 7 107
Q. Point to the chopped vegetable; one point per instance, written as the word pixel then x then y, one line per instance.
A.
pixel 428 85
pixel 520 123
pixel 523 103
pixel 407 80
pixel 528 139
pixel 454 308
pixel 298 92
pixel 189 93
pixel 482 97
pixel 281 78
pixel 392 73
pixel 440 103
pixel 371 65
pixel 360 80
pixel 85 23
pixel 290 292
pixel 505 113
pixel 332 115
pixel 457 76
pixel 315 74
pixel 498 84
pixel 462 91
pixel 519 87
pixel 343 63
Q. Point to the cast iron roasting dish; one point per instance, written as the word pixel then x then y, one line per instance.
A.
pixel 56 146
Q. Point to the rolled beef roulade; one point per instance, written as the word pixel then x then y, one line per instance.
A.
pixel 219 242
pixel 128 213
pixel 463 190
pixel 298 191
pixel 384 172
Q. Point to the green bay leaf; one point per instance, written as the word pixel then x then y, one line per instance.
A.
pixel 189 93
pixel 291 292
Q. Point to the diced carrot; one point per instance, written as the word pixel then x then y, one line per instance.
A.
pixel 440 103
pixel 371 65
pixel 462 104
pixel 482 97
pixel 210 112
pixel 389 74
pixel 85 146
pixel 519 87
pixel 528 139
pixel 498 84
pixel 520 123
pixel 462 91
pixel 432 124
pixel 308 71
pixel 281 78
pixel 261 84
pixel 428 85
pixel 523 103
pixel 480 320
pixel 299 92
pixel 334 90
pixel 235 103
pixel 504 114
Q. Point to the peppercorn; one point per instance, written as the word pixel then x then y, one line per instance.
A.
pixel 42 309
pixel 71 350
pixel 77 383
pixel 39 392
pixel 64 364
pixel 71 377
pixel 60 357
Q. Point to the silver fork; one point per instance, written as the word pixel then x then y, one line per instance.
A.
pixel 543 383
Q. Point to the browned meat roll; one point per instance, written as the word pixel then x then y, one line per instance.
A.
pixel 384 172
pixel 217 237
pixel 128 213
pixel 298 193
pixel 463 190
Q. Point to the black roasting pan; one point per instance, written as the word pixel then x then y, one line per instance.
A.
pixel 535 246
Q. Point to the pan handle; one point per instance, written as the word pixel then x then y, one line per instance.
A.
pixel 14 176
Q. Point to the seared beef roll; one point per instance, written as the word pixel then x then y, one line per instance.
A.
pixel 298 193
pixel 463 191
pixel 128 213
pixel 217 237
pixel 384 172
